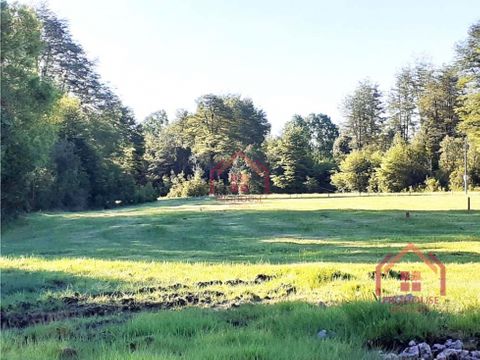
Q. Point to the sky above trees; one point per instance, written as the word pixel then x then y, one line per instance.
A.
pixel 291 57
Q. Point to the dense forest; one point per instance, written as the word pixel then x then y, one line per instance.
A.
pixel 68 141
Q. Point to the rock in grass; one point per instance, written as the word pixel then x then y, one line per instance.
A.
pixel 425 351
pixel 458 345
pixel 475 354
pixel 438 348
pixel 410 353
pixel 465 355
pixel 324 334
pixel 452 354
pixel 451 350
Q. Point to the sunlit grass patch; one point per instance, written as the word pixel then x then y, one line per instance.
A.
pixel 332 283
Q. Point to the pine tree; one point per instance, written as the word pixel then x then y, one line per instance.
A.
pixel 363 111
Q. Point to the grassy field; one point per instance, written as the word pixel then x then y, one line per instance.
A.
pixel 200 278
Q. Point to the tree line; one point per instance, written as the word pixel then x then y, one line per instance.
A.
pixel 68 141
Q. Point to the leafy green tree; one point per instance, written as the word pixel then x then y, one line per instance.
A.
pixel 27 101
pixel 323 133
pixel 250 123
pixel 155 122
pixel 469 113
pixel 103 132
pixel 209 129
pixel 402 167
pixel 166 151
pixel 452 163
pixel 451 154
pixel 222 125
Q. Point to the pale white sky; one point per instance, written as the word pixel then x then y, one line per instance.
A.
pixel 288 56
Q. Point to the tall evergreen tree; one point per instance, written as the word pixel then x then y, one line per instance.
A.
pixel 294 161
pixel 468 61
pixel 402 105
pixel 437 111
pixel 363 112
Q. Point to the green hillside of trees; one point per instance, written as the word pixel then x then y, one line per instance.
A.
pixel 68 141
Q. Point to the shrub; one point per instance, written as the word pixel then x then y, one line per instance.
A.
pixel 432 185
pixel 176 185
pixel 355 171
pixel 145 193
pixel 456 182
pixel 192 186
pixel 195 185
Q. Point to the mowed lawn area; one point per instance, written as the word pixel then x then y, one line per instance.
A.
pixel 206 279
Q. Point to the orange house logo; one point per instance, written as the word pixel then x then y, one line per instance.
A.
pixel 256 166
pixel 410 280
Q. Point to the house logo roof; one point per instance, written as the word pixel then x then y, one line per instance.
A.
pixel 389 261
pixel 257 166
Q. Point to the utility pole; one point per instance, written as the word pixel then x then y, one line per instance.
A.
pixel 465 158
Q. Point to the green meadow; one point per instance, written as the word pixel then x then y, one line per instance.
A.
pixel 209 279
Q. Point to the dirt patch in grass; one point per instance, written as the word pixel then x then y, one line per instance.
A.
pixel 259 279
pixel 117 302
pixel 392 274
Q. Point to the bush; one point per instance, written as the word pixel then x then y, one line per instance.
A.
pixel 145 193
pixel 432 185
pixel 403 167
pixel 456 182
pixel 192 186
pixel 195 186
pixel 356 171
pixel 176 185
